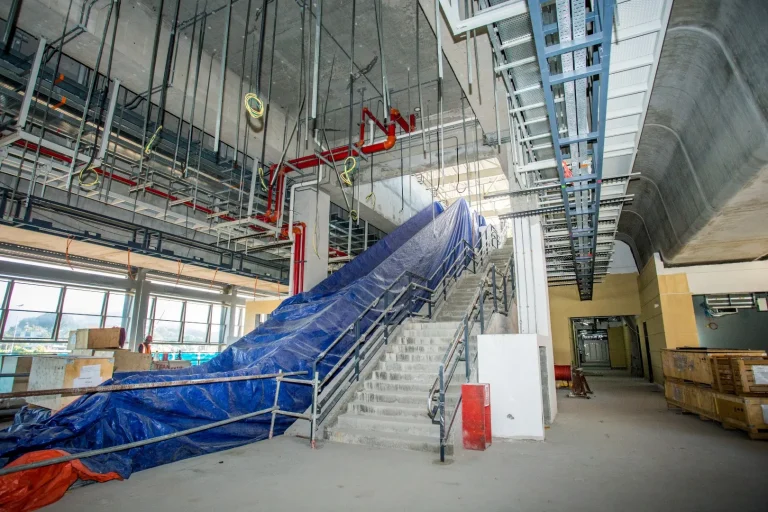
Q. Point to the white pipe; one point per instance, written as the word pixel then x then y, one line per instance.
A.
pixel 291 237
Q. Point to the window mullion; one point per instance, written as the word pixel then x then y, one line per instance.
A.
pixel 183 321
pixel 59 311
pixel 6 306
pixel 104 303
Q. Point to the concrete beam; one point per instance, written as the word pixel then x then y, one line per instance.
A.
pixel 480 93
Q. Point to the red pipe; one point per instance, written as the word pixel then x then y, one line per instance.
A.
pixel 299 241
pixel 334 155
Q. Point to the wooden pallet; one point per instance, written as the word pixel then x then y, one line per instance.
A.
pixel 750 375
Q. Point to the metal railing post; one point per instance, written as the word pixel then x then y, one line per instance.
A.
pixel 445 282
pixel 482 309
pixel 357 349
pixel 386 317
pixel 441 409
pixel 313 422
pixel 493 278
pixel 279 379
pixel 504 292
pixel 466 348
pixel 474 264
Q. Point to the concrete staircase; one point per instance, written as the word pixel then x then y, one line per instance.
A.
pixel 390 409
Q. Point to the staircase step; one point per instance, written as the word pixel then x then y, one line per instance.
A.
pixel 414 357
pixel 399 366
pixel 399 410
pixel 404 398
pixel 389 386
pixel 406 386
pixel 434 333
pixel 404 376
pixel 429 325
pixel 412 340
pixel 412 348
pixel 405 426
pixel 385 440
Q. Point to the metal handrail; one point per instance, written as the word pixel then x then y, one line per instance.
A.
pixel 395 311
pixel 451 359
pixel 462 329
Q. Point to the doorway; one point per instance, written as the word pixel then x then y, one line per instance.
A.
pixel 602 343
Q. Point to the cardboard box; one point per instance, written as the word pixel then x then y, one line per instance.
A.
pixel 54 372
pixel 125 360
pixel 94 338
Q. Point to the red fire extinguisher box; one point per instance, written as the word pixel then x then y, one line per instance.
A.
pixel 476 416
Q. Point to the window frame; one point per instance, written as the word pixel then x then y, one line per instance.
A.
pixel 209 323
pixel 63 287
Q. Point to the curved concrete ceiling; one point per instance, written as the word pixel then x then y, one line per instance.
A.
pixel 703 153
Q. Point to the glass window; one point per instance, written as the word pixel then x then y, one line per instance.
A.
pixel 191 322
pixel 114 321
pixel 70 322
pixel 194 332
pixel 38 314
pixel 83 301
pixel 34 297
pixel 216 333
pixel 164 330
pixel 167 309
pixel 116 304
pixel 29 325
pixel 22 347
pixel 197 312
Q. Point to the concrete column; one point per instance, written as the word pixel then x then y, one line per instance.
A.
pixel 230 300
pixel 140 310
pixel 314 209
pixel 533 301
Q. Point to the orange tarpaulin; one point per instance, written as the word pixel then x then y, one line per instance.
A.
pixel 36 488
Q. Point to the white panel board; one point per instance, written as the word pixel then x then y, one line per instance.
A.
pixel 510 364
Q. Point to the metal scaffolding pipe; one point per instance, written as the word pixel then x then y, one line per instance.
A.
pixel 133 387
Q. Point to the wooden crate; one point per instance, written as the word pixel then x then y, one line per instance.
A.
pixel 691 398
pixel 745 413
pixel 54 372
pixel 125 360
pixel 174 364
pixel 750 375
pixel 94 338
pixel 694 365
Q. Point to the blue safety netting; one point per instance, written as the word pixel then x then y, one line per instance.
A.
pixel 296 333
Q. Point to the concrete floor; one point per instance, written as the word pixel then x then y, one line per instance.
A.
pixel 621 450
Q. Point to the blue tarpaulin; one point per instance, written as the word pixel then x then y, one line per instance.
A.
pixel 296 333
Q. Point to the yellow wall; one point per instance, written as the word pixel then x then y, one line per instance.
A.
pixel 616 348
pixel 667 313
pixel 258 307
pixel 617 295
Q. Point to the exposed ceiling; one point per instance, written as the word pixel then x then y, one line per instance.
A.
pixel 703 153
pixel 289 82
